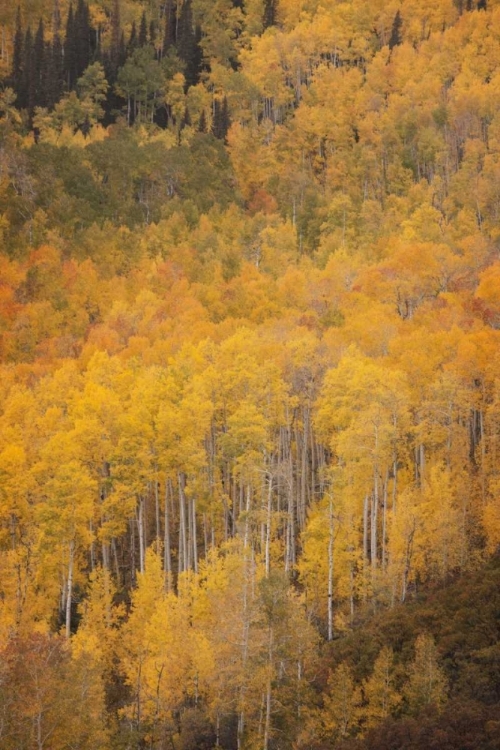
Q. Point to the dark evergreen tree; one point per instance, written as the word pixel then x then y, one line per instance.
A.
pixel 83 38
pixel 133 41
pixel 39 67
pixel 481 5
pixel 17 61
pixel 269 18
pixel 143 31
pixel 216 119
pixel 70 51
pixel 221 120
pixel 54 72
pixel 152 33
pixel 170 34
pixel 116 36
pixel 186 119
pixel 202 125
pixel 225 118
pixel 396 37
pixel 188 48
pixel 56 19
pixel 28 84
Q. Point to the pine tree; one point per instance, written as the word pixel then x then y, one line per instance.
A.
pixel 56 19
pixel 143 31
pixel 70 50
pixel 29 73
pixel 54 75
pixel 82 38
pixel 481 5
pixel 39 66
pixel 221 121
pixel 202 125
pixel 269 14
pixel 396 38
pixel 152 33
pixel 114 53
pixel 169 36
pixel 132 41
pixel 186 119
pixel 17 61
pixel 225 118
pixel 187 45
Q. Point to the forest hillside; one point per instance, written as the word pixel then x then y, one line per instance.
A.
pixel 249 374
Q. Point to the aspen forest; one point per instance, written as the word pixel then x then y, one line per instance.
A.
pixel 250 375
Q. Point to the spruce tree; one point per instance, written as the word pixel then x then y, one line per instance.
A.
pixel 396 38
pixel 70 51
pixel 82 38
pixel 28 84
pixel 132 41
pixel 221 120
pixel 56 19
pixel 202 125
pixel 116 33
pixel 17 61
pixel 169 36
pixel 152 33
pixel 188 48
pixel 39 67
pixel 269 14
pixel 54 76
pixel 143 31
pixel 217 119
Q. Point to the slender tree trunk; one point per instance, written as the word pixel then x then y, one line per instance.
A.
pixel 157 513
pixel 330 568
pixel 267 723
pixel 365 530
pixel 384 519
pixel 70 587
pixel 194 537
pixel 140 530
pixel 182 526
pixel 167 553
pixel 268 525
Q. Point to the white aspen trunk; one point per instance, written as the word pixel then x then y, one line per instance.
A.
pixel 189 561
pixel 268 525
pixel 365 530
pixel 157 514
pixel 267 723
pixel 244 655
pixel 105 555
pixel 483 456
pixel 384 519
pixel 195 545
pixel 140 530
pixel 115 558
pixel 303 474
pixel 374 523
pixel 182 528
pixel 247 509
pixel 395 485
pixel 132 551
pixel 70 587
pixel 92 547
pixel 167 554
pixel 330 569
